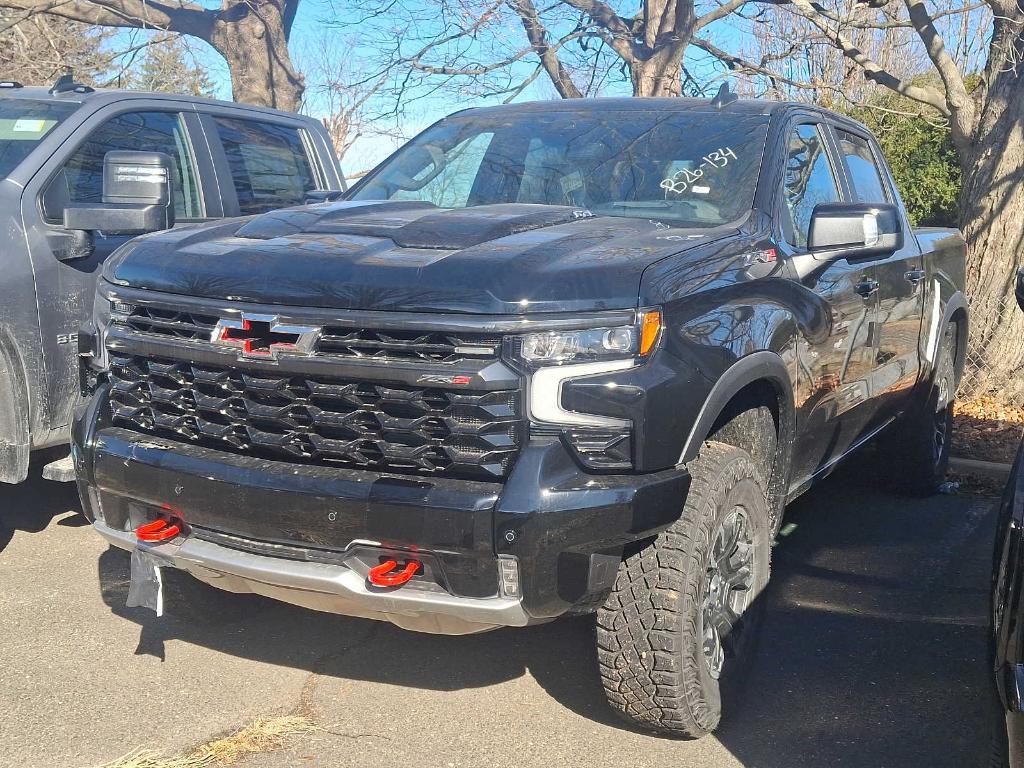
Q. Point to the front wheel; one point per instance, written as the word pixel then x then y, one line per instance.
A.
pixel 682 612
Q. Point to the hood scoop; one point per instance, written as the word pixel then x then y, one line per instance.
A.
pixel 411 224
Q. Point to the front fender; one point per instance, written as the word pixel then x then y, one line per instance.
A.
pixel 759 366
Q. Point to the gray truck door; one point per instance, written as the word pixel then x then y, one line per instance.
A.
pixel 901 284
pixel 834 374
pixel 65 287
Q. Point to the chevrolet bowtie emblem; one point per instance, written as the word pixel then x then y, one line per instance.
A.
pixel 264 337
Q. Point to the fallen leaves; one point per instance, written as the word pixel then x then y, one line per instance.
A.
pixel 987 429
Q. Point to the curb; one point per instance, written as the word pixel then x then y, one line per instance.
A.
pixel 975 467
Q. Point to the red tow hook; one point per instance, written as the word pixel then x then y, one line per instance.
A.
pixel 385 575
pixel 158 530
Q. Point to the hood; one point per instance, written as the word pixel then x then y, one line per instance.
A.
pixel 409 256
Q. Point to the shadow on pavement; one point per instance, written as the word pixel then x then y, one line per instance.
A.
pixel 31 506
pixel 873 651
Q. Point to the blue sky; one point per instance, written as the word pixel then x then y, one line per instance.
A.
pixel 314 20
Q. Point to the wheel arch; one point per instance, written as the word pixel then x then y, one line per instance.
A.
pixel 758 379
pixel 957 311
pixel 15 433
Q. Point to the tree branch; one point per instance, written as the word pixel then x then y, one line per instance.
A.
pixel 537 34
pixel 184 18
pixel 957 97
pixel 872 70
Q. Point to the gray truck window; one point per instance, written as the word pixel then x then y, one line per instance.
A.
pixel 861 168
pixel 23 124
pixel 139 131
pixel 269 165
pixel 695 169
pixel 809 181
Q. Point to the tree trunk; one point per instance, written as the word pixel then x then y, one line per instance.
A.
pixel 660 74
pixel 992 219
pixel 252 37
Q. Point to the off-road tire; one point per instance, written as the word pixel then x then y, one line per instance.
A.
pixel 650 631
pixel 911 455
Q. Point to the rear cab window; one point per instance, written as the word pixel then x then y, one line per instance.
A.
pixel 269 163
pixel 861 168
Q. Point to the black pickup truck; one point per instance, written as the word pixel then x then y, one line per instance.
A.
pixel 546 359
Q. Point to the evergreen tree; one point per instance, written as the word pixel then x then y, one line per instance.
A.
pixel 170 66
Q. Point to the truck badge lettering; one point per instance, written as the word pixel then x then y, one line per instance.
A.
pixel 458 381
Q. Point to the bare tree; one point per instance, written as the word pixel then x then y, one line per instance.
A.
pixel 343 92
pixel 502 46
pixel 251 35
pixel 37 50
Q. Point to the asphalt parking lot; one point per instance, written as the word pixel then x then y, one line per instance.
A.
pixel 873 654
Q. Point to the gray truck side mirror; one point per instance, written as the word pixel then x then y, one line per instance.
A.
pixel 137 196
pixel 855 230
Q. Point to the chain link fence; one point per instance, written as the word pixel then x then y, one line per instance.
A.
pixel 978 380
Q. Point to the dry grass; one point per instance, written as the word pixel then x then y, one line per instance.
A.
pixel 264 735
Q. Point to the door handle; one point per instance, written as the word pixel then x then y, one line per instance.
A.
pixel 866 288
pixel 914 275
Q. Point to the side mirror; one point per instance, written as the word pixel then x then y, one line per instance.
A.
pixel 137 196
pixel 855 230
pixel 1019 291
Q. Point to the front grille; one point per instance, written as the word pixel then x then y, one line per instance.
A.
pixel 335 341
pixel 319 419
pixel 170 322
pixel 432 347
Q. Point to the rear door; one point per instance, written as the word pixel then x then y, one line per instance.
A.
pixel 75 174
pixel 900 278
pixel 834 373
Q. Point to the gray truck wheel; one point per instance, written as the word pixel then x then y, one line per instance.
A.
pixel 677 617
pixel 915 453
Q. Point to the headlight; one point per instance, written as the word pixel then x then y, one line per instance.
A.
pixel 591 344
pixel 556 357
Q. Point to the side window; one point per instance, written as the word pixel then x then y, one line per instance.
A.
pixel 861 168
pixel 134 131
pixel 269 165
pixel 809 181
pixel 451 186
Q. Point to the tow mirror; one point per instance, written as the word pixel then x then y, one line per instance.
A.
pixel 138 196
pixel 855 230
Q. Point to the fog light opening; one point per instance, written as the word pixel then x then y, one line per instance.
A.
pixel 508 575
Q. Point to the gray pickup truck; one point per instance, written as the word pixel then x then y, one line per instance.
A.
pixel 226 160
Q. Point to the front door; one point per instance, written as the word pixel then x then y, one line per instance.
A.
pixel 65 286
pixel 901 286
pixel 834 372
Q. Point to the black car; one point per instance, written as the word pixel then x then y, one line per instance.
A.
pixel 548 359
pixel 1007 593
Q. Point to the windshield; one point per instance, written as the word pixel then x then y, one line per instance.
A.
pixel 23 124
pixel 696 168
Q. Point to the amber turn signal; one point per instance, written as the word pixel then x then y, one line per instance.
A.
pixel 650 329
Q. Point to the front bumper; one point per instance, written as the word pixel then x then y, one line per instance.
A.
pixel 326 587
pixel 306 534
